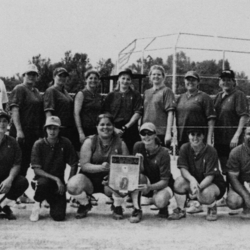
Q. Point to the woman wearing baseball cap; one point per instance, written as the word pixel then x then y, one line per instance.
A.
pixel 125 104
pixel 194 109
pixel 48 160
pixel 232 111
pixel 58 102
pixel 26 105
pixel 156 180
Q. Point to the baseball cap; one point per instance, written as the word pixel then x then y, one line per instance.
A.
pixel 196 130
pixel 227 73
pixel 59 71
pixel 126 71
pixel 193 74
pixel 148 126
pixel 30 68
pixel 4 114
pixel 53 120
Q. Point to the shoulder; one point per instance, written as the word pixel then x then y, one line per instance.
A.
pixel 211 150
pixel 49 90
pixel 239 93
pixel 236 151
pixel 11 140
pixel 164 152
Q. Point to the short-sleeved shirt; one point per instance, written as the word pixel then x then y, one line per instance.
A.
pixel 157 104
pixel 123 105
pixel 156 164
pixel 193 111
pixel 201 165
pixel 60 103
pixel 91 108
pixel 229 110
pixel 30 104
pixel 53 159
pixel 102 154
pixel 3 93
pixel 10 155
pixel 239 162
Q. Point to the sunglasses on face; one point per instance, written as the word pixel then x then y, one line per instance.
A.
pixel 198 134
pixel 145 132
pixel 31 74
pixel 63 75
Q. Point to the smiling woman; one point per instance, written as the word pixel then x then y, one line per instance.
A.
pixel 95 157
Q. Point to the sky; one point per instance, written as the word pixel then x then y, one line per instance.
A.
pixel 102 28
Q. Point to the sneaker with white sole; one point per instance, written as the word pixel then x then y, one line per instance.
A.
pixel 35 214
pixel 136 216
pixel 194 209
pixel 177 214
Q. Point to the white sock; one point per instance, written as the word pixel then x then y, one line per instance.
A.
pixel 6 202
pixel 36 205
pixel 81 198
pixel 118 200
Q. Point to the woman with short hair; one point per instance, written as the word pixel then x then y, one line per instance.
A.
pixel 159 105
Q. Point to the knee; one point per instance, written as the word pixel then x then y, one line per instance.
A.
pixel 180 185
pixel 23 183
pixel 75 185
pixel 234 202
pixel 161 201
pixel 206 196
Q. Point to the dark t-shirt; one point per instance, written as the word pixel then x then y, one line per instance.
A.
pixel 30 104
pixel 91 108
pixel 201 165
pixel 10 155
pixel 157 104
pixel 229 110
pixel 156 164
pixel 60 104
pixel 123 105
pixel 239 162
pixel 193 111
pixel 53 159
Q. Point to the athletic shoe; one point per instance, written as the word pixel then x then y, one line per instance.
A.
pixel 245 215
pixel 83 210
pixel 18 204
pixel 45 204
pixel 194 209
pixel 117 212
pixel 35 214
pixel 212 213
pixel 93 200
pixel 8 212
pixel 177 214
pixel 136 216
pixel 163 212
pixel 221 203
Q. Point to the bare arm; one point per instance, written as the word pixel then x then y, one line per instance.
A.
pixel 40 172
pixel 235 140
pixel 73 170
pixel 239 188
pixel 77 109
pixel 133 120
pixel 169 128
pixel 206 182
pixel 48 113
pixel 210 131
pixel 194 185
pixel 17 123
pixel 7 183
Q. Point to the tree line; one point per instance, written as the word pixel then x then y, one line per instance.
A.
pixel 77 64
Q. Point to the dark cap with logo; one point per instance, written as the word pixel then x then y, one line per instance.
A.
pixel 227 73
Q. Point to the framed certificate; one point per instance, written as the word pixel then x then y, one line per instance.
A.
pixel 124 173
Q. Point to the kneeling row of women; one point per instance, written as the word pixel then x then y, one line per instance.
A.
pixel 50 155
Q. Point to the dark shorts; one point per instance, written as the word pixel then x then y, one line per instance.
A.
pixel 170 185
pixel 222 187
pixel 96 181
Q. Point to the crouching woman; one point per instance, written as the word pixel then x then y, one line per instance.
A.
pixel 156 180
pixel 12 185
pixel 49 158
pixel 200 176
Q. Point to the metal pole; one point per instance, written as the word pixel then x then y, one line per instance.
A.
pixel 142 60
pixel 223 61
